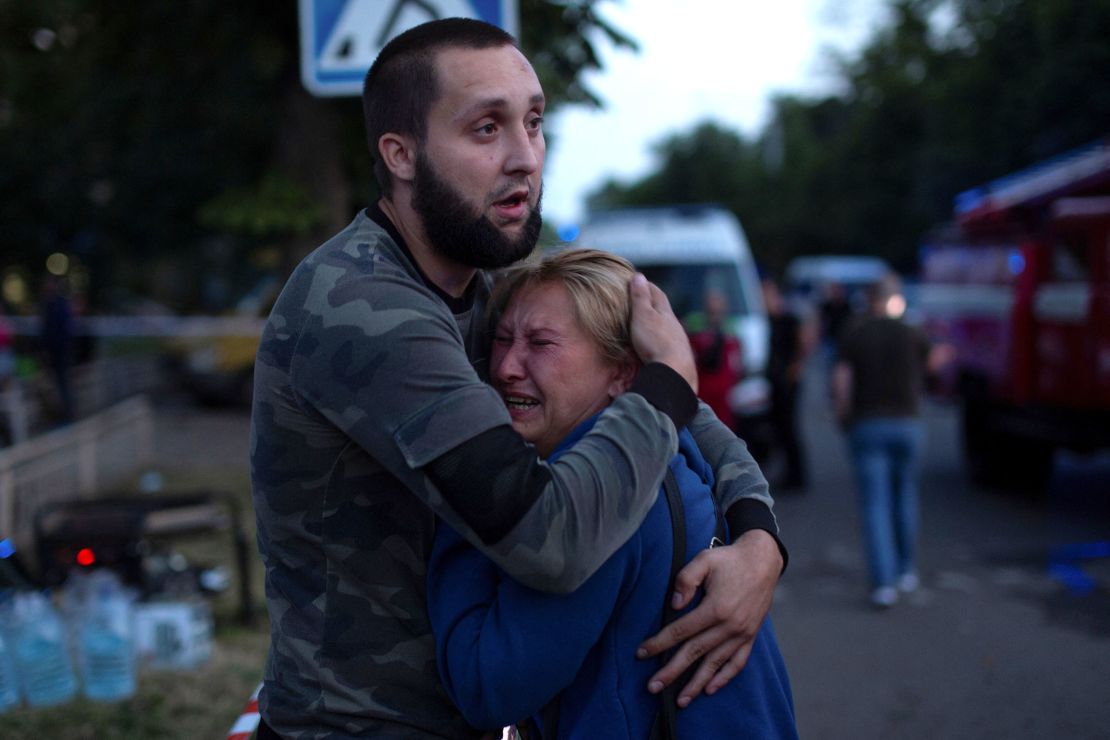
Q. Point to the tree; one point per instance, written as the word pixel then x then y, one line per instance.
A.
pixel 944 97
pixel 684 175
pixel 121 124
pixel 558 37
pixel 132 137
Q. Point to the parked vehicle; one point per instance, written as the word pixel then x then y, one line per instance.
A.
pixel 216 364
pixel 690 252
pixel 1020 286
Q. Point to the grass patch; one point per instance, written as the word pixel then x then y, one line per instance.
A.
pixel 175 705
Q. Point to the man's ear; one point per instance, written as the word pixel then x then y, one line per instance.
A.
pixel 398 152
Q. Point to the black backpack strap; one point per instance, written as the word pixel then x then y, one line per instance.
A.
pixel 665 725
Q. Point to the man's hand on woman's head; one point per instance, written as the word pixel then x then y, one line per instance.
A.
pixel 739 585
pixel 657 334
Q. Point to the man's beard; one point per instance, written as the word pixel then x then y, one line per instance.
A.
pixel 457 233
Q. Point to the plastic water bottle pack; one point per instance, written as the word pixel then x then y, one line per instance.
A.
pixel 41 657
pixel 9 683
pixel 99 609
pixel 93 643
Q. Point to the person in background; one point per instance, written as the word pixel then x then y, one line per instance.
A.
pixel 563 336
pixel 8 431
pixel 792 341
pixel 719 358
pixel 56 341
pixel 877 387
pixel 835 310
pixel 7 349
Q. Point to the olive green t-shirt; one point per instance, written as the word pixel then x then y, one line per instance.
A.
pixel 887 357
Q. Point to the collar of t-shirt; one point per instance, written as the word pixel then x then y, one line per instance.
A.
pixel 457 305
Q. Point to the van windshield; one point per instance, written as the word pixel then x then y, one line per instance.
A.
pixel 687 285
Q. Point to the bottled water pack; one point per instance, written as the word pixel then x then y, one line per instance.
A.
pixel 100 616
pixel 41 657
pixel 9 684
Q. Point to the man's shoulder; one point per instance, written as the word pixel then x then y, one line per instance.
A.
pixel 338 271
pixel 875 333
pixel 341 290
pixel 361 245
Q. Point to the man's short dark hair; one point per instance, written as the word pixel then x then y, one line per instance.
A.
pixel 400 87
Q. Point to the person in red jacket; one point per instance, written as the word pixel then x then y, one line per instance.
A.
pixel 719 359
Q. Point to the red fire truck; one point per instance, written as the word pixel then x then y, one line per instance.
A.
pixel 1020 286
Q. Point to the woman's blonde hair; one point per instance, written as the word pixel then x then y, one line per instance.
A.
pixel 597 283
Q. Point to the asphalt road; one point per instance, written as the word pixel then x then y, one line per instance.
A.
pixel 994 645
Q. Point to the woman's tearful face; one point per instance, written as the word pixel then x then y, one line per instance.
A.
pixel 549 371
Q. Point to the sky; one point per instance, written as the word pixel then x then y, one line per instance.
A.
pixel 719 60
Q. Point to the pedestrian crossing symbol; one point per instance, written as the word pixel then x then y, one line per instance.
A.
pixel 341 38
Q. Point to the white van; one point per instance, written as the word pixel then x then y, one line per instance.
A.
pixel 689 251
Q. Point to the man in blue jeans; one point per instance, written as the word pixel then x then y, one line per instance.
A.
pixel 878 382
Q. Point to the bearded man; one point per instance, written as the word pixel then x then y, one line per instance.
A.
pixel 371 418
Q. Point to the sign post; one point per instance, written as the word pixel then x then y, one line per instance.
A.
pixel 341 38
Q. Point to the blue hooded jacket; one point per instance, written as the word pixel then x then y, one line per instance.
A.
pixel 504 650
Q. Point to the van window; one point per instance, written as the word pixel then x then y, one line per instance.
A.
pixel 686 286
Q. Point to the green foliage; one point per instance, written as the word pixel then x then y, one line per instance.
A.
pixel 935 103
pixel 558 37
pixel 119 123
pixel 277 206
pixel 132 134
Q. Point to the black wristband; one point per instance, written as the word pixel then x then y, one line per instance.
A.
pixel 748 514
pixel 667 391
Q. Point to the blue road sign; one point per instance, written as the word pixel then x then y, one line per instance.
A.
pixel 341 38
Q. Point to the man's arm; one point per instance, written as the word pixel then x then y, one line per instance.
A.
pixel 526 530
pixel 551 525
pixel 383 361
pixel 736 473
pixel 740 579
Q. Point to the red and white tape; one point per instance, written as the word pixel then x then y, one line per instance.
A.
pixel 248 720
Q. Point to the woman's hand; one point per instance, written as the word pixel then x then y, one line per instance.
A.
pixel 739 584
